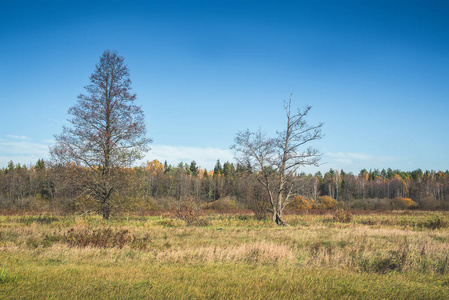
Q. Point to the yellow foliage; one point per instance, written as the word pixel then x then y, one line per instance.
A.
pixel 397 177
pixel 200 173
pixel 128 170
pixel 410 203
pixel 400 202
pixel 300 202
pixel 327 202
pixel 365 176
pixel 404 183
pixel 154 167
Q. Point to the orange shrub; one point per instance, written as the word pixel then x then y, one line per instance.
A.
pixel 402 203
pixel 410 203
pixel 300 202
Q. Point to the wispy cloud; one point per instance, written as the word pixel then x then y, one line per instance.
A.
pixel 24 151
pixel 351 161
pixel 204 157
pixel 21 150
pixel 17 137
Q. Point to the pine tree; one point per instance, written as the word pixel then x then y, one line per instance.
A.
pixel 193 168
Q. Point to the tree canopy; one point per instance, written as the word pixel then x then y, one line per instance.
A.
pixel 107 129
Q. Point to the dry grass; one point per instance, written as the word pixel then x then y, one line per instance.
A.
pixel 388 244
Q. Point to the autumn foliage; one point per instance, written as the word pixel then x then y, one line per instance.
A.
pixel 402 203
pixel 159 186
pixel 300 202
pixel 327 202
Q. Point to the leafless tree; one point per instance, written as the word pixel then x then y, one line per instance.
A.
pixel 107 132
pixel 276 160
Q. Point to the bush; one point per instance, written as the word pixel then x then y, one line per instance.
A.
pixel 101 238
pixel 327 202
pixel 188 211
pixel 403 203
pixel 300 202
pixel 361 204
pixel 342 216
pixel 104 238
pixel 257 200
pixel 429 202
pixel 382 204
pixel 165 202
pixel 222 204
pixel 80 204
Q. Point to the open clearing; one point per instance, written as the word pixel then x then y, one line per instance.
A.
pixel 402 255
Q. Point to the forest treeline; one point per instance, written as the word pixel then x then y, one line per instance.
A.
pixel 155 186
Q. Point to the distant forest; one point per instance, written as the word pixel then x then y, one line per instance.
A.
pixel 157 186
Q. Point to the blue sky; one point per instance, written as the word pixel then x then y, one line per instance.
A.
pixel 375 72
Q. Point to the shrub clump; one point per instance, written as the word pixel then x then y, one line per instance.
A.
pixel 222 204
pixel 300 202
pixel 104 238
pixel 342 216
pixel 403 203
pixel 327 202
pixel 188 211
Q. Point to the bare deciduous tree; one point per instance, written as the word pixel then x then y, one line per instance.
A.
pixel 107 132
pixel 277 159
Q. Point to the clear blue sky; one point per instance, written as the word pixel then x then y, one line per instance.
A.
pixel 375 72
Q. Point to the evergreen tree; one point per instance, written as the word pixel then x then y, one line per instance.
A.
pixel 40 165
pixel 218 170
pixel 193 168
pixel 228 169
pixel 249 168
pixel 240 169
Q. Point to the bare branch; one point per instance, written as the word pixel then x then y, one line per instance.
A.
pixel 276 160
pixel 108 130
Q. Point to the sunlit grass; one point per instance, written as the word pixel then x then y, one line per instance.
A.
pixel 373 256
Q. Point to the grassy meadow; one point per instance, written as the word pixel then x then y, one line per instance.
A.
pixel 401 255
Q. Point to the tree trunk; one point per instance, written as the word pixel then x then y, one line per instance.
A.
pixel 277 213
pixel 106 209
pixel 106 205
pixel 278 219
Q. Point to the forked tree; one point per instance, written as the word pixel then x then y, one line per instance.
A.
pixel 276 160
pixel 107 131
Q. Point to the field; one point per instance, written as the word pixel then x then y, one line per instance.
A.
pixel 401 255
